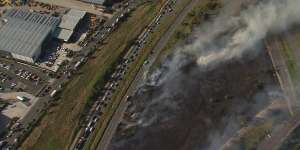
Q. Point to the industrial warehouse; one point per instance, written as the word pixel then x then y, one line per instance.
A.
pixel 68 24
pixel 24 33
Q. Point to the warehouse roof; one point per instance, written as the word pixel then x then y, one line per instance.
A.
pixel 33 17
pixel 76 13
pixel 63 34
pixel 68 23
pixel 24 32
pixel 98 2
pixel 71 19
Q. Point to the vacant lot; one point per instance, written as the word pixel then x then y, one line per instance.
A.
pixel 61 123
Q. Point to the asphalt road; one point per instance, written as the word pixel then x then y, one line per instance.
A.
pixel 280 135
pixel 42 104
pixel 117 117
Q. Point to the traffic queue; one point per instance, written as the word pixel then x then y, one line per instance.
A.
pixel 118 74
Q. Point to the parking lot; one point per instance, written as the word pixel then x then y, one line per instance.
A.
pixel 42 82
pixel 44 78
pixel 16 77
pixel 58 53
pixel 54 56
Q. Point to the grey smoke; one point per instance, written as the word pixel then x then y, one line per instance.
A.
pixel 248 28
pixel 227 37
pixel 219 139
pixel 253 25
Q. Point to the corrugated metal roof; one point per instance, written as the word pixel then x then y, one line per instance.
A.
pixel 63 34
pixel 76 13
pixel 99 2
pixel 33 17
pixel 71 19
pixel 68 22
pixel 25 31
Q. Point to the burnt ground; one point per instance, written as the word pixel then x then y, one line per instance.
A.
pixel 185 111
pixel 292 143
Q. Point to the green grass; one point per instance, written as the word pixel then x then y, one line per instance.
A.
pixel 57 129
pixel 291 64
pixel 289 56
pixel 165 23
pixel 100 127
pixel 255 135
pixel 51 146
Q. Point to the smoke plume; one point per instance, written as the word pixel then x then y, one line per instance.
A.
pixel 227 37
pixel 230 36
pixel 251 26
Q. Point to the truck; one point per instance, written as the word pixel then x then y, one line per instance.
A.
pixel 22 98
pixel 53 93
pixel 77 64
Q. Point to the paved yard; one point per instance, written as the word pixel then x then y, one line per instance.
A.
pixel 77 5
pixel 17 108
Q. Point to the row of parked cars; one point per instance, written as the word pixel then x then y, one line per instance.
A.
pixel 5 66
pixel 114 81
pixel 4 78
pixel 51 58
pixel 22 73
pixel 27 75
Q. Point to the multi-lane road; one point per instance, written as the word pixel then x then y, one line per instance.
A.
pixel 280 135
pixel 31 118
pixel 118 75
pixel 117 117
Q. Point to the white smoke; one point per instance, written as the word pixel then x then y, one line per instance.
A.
pixel 227 37
pixel 251 26
pixel 230 36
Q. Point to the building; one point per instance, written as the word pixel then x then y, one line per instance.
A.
pixel 68 24
pixel 95 2
pixel 24 33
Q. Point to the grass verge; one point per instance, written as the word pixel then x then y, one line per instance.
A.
pixel 291 64
pixel 255 134
pixel 133 70
pixel 61 123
